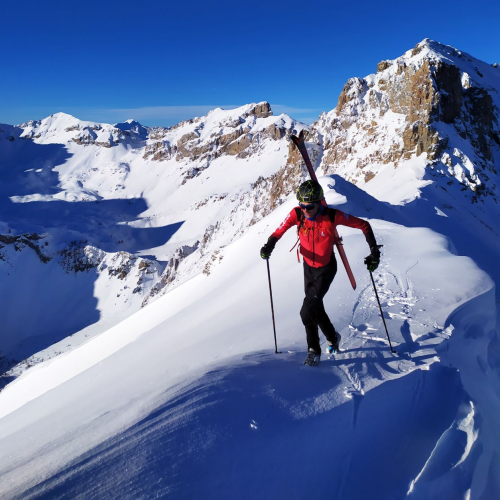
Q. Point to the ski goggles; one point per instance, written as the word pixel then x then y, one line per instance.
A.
pixel 308 207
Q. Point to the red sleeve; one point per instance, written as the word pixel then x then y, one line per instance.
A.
pixel 342 219
pixel 290 221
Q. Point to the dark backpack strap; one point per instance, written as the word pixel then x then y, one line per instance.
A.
pixel 300 218
pixel 298 213
pixel 331 213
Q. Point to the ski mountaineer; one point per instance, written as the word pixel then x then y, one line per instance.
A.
pixel 315 223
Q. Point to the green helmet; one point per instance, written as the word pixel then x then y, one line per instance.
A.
pixel 310 192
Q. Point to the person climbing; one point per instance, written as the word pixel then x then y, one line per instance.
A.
pixel 315 224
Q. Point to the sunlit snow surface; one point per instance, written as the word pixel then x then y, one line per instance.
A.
pixel 186 398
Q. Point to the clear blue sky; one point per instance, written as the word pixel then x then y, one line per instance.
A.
pixel 164 61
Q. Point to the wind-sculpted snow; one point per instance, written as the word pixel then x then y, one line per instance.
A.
pixel 190 387
pixel 269 428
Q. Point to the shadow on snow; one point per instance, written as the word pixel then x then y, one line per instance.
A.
pixel 69 305
pixel 269 428
pixel 468 232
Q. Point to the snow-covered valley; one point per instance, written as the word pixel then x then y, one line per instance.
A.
pixel 132 284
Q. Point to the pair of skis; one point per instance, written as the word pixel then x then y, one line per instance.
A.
pixel 299 142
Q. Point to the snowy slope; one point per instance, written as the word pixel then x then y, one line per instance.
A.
pixel 168 392
pixel 184 396
pixel 113 211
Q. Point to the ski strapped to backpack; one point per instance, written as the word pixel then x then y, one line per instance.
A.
pixel 299 142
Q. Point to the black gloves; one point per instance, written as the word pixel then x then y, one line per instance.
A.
pixel 267 249
pixel 373 260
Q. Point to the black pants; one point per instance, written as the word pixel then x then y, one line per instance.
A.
pixel 317 281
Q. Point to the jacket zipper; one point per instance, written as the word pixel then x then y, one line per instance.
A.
pixel 314 256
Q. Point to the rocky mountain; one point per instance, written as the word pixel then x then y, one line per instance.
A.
pixel 434 103
pixel 429 120
pixel 138 209
pixel 152 207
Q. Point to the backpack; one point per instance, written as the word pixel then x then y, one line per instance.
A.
pixel 301 218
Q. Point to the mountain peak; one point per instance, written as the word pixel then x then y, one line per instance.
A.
pixel 61 114
pixel 430 51
pixel 260 110
pixel 434 105
pixel 131 125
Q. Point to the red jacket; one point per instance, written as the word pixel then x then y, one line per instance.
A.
pixel 317 236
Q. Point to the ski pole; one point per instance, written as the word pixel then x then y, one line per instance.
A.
pixel 381 313
pixel 272 307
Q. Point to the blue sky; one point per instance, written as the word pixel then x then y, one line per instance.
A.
pixel 161 62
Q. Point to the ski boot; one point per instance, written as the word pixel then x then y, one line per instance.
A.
pixel 313 358
pixel 333 347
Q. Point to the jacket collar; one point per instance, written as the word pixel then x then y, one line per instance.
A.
pixel 318 213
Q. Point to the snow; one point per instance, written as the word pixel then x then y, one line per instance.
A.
pixel 409 178
pixel 198 383
pixel 185 397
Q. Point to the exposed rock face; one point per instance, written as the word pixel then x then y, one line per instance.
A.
pixel 449 92
pixel 420 138
pixel 79 257
pixel 235 137
pixel 483 129
pixel 262 111
pixel 99 136
pixel 36 242
pixel 159 151
pixel 170 273
pixel 350 98
pixel 383 65
pixel 403 110
pixel 183 149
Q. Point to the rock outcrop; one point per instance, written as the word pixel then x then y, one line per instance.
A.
pixel 36 242
pixel 415 105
